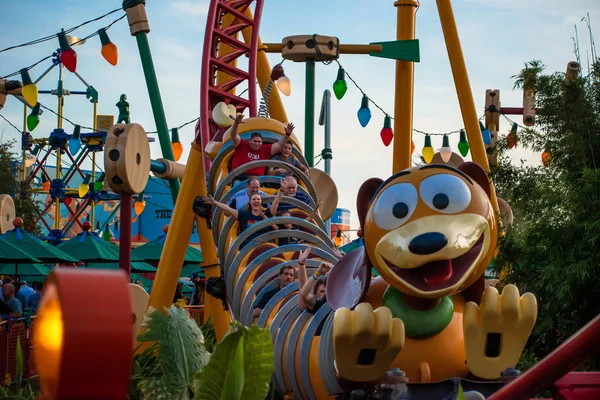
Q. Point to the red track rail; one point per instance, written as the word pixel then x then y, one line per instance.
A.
pixel 210 92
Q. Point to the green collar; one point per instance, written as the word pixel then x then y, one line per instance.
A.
pixel 419 324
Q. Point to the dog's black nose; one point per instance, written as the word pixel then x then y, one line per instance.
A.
pixel 428 243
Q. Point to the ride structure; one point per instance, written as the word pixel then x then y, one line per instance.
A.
pixel 430 232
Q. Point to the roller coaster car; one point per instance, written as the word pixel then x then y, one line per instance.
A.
pixel 430 232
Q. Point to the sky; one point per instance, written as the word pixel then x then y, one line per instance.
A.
pixel 497 37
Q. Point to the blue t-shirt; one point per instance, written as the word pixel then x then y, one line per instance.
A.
pixel 299 196
pixel 262 299
pixel 15 305
pixel 240 199
pixel 33 301
pixel 247 219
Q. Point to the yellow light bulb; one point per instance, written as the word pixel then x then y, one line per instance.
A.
pixel 29 160
pixel 83 189
pixel 139 207
pixel 428 154
pixel 285 85
pixel 177 150
pixel 30 94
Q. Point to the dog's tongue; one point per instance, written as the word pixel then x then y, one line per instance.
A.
pixel 437 271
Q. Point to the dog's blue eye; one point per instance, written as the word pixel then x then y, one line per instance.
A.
pixel 395 206
pixel 445 193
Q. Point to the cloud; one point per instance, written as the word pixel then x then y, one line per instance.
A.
pixel 191 8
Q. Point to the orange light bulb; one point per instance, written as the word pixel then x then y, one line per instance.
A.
pixel 177 150
pixel 110 53
pixel 139 207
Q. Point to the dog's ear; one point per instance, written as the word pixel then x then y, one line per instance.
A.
pixel 364 199
pixel 475 172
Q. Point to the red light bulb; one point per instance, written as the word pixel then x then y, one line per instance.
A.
pixel 69 59
pixel 387 134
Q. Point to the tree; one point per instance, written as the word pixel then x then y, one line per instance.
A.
pixel 25 205
pixel 551 249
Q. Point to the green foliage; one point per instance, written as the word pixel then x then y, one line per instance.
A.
pixel 181 353
pixel 145 366
pixel 208 331
pixel 551 250
pixel 22 389
pixel 240 367
pixel 10 183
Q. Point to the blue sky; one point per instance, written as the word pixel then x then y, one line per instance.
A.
pixel 497 38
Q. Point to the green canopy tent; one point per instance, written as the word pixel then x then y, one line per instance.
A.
pixel 89 248
pixel 10 258
pixel 146 283
pixel 151 251
pixel 136 266
pixel 35 247
pixel 33 272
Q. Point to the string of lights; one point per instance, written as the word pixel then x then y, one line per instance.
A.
pixel 340 88
pixel 65 118
pixel 181 126
pixel 53 36
pixel 95 33
pixel 10 123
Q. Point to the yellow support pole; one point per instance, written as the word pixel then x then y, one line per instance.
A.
pixel 463 90
pixel 263 74
pixel 405 72
pixel 171 260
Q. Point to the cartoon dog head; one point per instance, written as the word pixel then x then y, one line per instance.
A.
pixel 430 231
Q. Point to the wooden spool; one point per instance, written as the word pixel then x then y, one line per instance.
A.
pixel 174 170
pixel 492 119
pixel 573 69
pixel 528 108
pixel 302 47
pixel 455 160
pixel 506 213
pixel 326 191
pixel 139 303
pixel 7 213
pixel 127 158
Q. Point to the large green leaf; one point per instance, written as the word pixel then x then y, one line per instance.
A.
pixel 240 367
pixel 181 352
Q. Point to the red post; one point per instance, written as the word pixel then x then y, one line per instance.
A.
pixel 125 238
pixel 578 348
pixel 515 110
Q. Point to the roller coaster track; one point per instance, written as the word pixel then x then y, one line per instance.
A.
pixel 217 36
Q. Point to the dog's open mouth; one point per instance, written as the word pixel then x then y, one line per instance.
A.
pixel 439 274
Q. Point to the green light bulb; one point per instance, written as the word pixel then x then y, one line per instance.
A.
pixel 463 145
pixel 339 86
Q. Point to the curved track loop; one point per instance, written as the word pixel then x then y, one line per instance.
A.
pixel 212 93
pixel 250 270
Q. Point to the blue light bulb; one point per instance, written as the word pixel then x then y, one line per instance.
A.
pixel 364 113
pixel 75 141
pixel 487 136
pixel 74 145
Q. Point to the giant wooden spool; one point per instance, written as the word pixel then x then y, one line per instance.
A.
pixel 127 158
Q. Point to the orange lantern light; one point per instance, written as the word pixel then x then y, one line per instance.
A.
pixel 79 338
pixel 546 157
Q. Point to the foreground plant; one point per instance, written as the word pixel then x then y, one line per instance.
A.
pixel 179 363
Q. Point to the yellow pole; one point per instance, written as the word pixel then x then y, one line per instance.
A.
pixel 405 72
pixel 463 90
pixel 23 154
pixel 95 126
pixel 171 260
pixel 263 74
